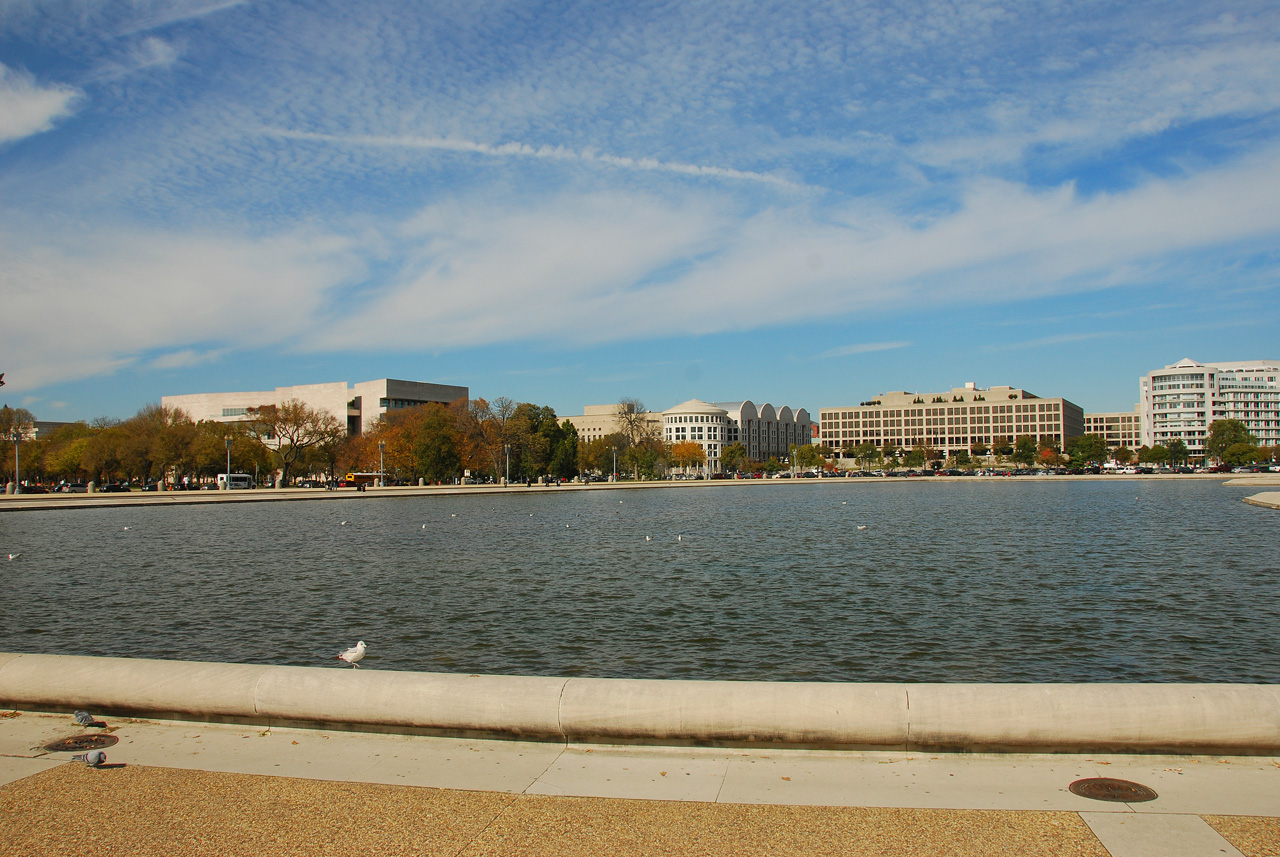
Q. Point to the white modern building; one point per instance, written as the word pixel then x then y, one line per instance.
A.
pixel 359 405
pixel 1181 401
pixel 767 432
pixel 764 431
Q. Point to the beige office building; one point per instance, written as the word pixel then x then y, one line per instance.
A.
pixel 1120 428
pixel 359 406
pixel 950 421
pixel 600 421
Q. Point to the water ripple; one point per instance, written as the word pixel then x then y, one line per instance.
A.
pixel 975 581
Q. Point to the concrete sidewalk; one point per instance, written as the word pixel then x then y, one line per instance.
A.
pixel 200 788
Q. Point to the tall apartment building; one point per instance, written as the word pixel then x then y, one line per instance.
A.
pixel 1118 428
pixel 951 421
pixel 358 406
pixel 1179 402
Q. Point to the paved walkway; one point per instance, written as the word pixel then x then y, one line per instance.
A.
pixel 199 788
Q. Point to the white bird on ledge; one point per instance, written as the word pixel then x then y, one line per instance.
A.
pixel 353 654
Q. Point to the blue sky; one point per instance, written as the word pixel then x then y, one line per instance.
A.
pixel 805 203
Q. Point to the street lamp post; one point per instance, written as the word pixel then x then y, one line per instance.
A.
pixel 382 471
pixel 506 450
pixel 228 481
pixel 615 463
pixel 16 436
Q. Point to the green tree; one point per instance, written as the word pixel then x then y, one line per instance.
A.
pixel 979 448
pixel 564 451
pixel 1157 454
pixel 1224 434
pixel 962 458
pixel 1089 447
pixel 1025 451
pixel 1241 453
pixel 890 451
pixel 806 455
pixel 734 457
pixel 914 458
pixel 1123 454
pixel 866 452
pixel 1178 452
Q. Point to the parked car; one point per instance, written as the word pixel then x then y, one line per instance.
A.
pixel 114 488
pixel 74 488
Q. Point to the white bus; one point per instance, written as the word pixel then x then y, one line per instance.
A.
pixel 234 481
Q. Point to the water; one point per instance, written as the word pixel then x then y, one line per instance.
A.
pixel 977 580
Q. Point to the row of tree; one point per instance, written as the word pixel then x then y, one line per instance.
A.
pixel 1229 442
pixel 502 439
pixel 433 442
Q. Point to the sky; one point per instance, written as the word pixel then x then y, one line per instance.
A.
pixel 568 203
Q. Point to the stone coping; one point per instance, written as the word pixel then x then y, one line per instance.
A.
pixel 1145 718
pixel 1267 500
pixel 44 502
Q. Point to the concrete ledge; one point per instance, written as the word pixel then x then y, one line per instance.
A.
pixel 1267 500
pixel 1177 718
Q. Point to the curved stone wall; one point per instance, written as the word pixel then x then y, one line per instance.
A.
pixel 1181 718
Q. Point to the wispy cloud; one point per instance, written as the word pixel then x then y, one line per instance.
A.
pixel 862 348
pixel 524 150
pixel 1060 339
pixel 187 357
pixel 27 107
pixel 178 12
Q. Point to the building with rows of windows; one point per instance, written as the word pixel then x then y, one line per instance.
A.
pixel 358 406
pixel 764 431
pixel 952 421
pixel 1119 428
pixel 1181 401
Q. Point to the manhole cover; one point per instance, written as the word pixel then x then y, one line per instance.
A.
pixel 1105 788
pixel 77 743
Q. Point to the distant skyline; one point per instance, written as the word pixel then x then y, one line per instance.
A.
pixel 567 203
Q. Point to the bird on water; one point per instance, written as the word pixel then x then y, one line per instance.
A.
pixel 353 654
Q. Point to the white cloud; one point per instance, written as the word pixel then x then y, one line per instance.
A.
pixel 584 268
pixel 28 108
pixel 608 267
pixel 186 357
pixel 524 150
pixel 115 294
pixel 168 13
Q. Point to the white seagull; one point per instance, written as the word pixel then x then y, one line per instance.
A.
pixel 14 556
pixel 862 526
pixel 353 654
pixel 648 538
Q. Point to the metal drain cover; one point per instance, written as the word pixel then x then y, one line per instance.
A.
pixel 77 743
pixel 1105 788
